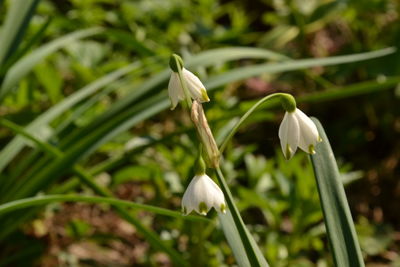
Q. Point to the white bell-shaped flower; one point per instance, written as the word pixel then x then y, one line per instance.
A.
pixel 297 130
pixel 201 195
pixel 197 90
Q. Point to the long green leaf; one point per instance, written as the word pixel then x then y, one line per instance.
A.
pixel 219 55
pixel 42 200
pixel 13 147
pixel 203 59
pixel 14 27
pixel 253 253
pixel 246 72
pixel 152 237
pixel 235 242
pixel 116 126
pixel 216 81
pixel 23 66
pixel 232 235
pixel 339 224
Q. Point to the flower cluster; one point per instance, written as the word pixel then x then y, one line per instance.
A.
pixel 296 130
pixel 202 193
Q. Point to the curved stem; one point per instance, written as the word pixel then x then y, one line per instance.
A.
pixel 185 89
pixel 246 115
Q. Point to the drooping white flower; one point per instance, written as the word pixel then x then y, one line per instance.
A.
pixel 197 90
pixel 297 130
pixel 201 195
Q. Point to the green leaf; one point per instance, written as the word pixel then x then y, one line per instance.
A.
pixel 50 79
pixel 246 72
pixel 23 66
pixel 203 59
pixel 13 147
pixel 42 200
pixel 235 242
pixel 32 186
pixel 244 247
pixel 339 224
pixel 15 25
pixel 128 39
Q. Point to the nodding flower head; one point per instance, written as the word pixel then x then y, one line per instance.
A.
pixel 196 89
pixel 201 195
pixel 297 130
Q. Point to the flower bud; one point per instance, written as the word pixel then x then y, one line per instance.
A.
pixel 207 139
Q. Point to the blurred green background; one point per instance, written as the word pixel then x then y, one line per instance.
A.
pixel 124 136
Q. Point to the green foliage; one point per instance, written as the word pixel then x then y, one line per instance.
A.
pixel 339 223
pixel 84 118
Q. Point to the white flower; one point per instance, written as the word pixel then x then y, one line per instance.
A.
pixel 197 90
pixel 201 195
pixel 297 130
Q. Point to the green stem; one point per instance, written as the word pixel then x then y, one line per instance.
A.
pixel 246 115
pixel 244 234
pixel 185 89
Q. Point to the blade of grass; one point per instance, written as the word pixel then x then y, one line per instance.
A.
pixel 253 254
pixel 352 90
pixel 246 72
pixel 112 131
pixel 25 48
pixel 153 239
pixel 328 95
pixel 13 147
pixel 202 59
pixel 356 89
pixel 233 237
pixel 47 199
pixel 26 63
pixel 339 224
pixel 15 25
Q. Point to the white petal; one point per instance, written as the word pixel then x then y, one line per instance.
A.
pixel 201 195
pixel 175 90
pixel 196 88
pixel 289 133
pixel 187 200
pixel 218 199
pixel 308 132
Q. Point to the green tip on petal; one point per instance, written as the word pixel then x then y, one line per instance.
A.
pixel 288 153
pixel 172 106
pixel 203 208
pixel 311 149
pixel 184 210
pixel 223 208
pixel 204 95
pixel 319 139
